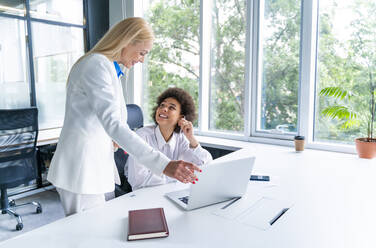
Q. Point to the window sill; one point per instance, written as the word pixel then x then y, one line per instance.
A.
pixel 228 143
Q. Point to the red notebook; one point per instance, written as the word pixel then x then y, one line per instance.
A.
pixel 147 224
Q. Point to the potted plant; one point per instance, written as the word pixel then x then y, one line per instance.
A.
pixel 365 146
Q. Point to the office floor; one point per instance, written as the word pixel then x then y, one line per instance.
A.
pixel 52 210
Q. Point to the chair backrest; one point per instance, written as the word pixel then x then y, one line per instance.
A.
pixel 18 139
pixel 135 118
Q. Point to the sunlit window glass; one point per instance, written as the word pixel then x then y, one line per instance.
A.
pixel 278 76
pixel 227 65
pixel 13 7
pixel 53 58
pixel 70 11
pixel 174 59
pixel 14 85
pixel 346 70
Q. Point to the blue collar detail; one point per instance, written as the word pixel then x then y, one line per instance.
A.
pixel 118 70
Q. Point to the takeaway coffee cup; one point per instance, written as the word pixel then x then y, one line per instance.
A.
pixel 299 143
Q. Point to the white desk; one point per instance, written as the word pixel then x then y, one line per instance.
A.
pixel 48 136
pixel 334 206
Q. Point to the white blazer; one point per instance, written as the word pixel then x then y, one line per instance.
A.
pixel 95 114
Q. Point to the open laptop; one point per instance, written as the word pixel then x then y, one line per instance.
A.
pixel 221 180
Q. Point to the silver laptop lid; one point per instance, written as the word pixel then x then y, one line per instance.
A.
pixel 222 179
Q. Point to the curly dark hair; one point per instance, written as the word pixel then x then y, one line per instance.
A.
pixel 186 102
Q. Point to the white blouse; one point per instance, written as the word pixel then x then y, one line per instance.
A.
pixel 177 148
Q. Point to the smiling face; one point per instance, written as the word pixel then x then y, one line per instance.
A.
pixel 134 53
pixel 168 113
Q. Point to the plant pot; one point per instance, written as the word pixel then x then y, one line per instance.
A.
pixel 366 147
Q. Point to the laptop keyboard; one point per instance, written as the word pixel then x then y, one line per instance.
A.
pixel 184 199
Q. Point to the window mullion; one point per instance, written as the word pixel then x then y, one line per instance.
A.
pixel 204 84
pixel 255 68
pixel 248 71
pixel 307 69
pixel 29 42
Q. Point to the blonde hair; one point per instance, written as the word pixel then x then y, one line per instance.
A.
pixel 128 31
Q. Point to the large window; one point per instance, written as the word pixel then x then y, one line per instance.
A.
pixel 347 60
pixel 53 59
pixel 52 32
pixel 174 59
pixel 258 68
pixel 227 65
pixel 14 84
pixel 278 77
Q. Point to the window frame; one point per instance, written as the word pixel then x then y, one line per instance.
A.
pixel 29 42
pixel 306 87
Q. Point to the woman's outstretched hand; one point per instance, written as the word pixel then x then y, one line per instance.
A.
pixel 182 171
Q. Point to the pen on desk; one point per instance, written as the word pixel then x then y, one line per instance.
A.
pixel 229 204
pixel 275 218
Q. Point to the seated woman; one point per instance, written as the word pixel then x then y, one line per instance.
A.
pixel 172 135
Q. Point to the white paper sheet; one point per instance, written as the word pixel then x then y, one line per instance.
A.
pixel 259 212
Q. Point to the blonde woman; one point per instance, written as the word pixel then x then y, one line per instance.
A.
pixel 83 167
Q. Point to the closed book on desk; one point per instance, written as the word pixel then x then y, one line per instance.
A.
pixel 147 224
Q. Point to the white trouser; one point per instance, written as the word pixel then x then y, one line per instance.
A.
pixel 75 203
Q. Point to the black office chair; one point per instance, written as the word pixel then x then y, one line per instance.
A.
pixel 18 140
pixel 135 121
